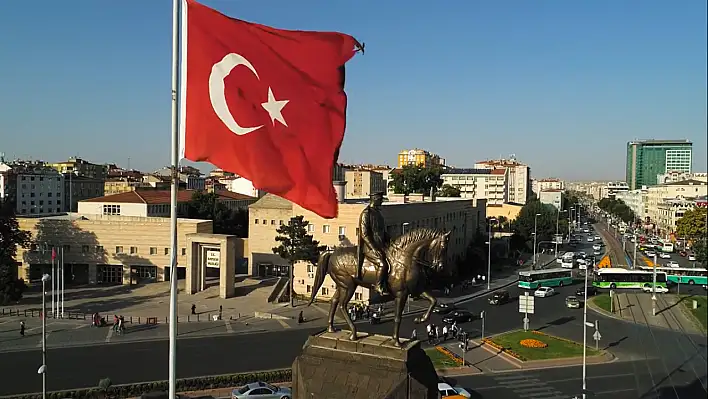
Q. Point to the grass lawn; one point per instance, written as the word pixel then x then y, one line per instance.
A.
pixel 602 301
pixel 439 359
pixel 701 314
pixel 557 348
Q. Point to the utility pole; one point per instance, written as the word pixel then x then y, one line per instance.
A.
pixel 653 288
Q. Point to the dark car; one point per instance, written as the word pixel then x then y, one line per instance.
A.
pixel 591 291
pixel 444 308
pixel 683 253
pixel 458 316
pixel 499 298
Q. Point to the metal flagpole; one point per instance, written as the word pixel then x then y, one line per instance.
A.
pixel 54 278
pixel 176 8
pixel 63 277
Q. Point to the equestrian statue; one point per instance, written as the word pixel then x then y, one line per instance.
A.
pixel 399 267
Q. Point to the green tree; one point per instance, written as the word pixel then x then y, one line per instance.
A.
pixel 693 224
pixel 700 250
pixel 416 179
pixel 204 205
pixel 296 245
pixel 449 191
pixel 544 223
pixel 11 287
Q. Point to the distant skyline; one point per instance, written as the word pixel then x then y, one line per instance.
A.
pixel 562 85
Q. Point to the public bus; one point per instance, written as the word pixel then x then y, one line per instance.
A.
pixel 623 278
pixel 532 279
pixel 665 246
pixel 683 275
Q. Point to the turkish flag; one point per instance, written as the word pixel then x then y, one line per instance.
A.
pixel 265 103
pixel 54 253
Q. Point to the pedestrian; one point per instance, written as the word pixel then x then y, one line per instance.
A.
pixel 194 309
pixel 221 310
pixel 414 335
pixel 22 328
pixel 444 332
pixel 437 333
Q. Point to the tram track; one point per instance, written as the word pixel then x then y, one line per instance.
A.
pixel 615 249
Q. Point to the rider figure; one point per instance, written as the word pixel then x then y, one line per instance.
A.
pixel 373 241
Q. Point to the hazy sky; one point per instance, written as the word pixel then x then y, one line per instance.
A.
pixel 561 84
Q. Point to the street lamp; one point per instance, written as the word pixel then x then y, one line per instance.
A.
pixel 570 218
pixel 535 225
pixel 489 254
pixel 43 369
pixel 556 237
pixel 585 328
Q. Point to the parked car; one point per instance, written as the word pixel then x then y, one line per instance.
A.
pixel 591 291
pixel 692 257
pixel 664 255
pixel 659 289
pixel 543 292
pixel 261 390
pixel 572 302
pixel 499 298
pixel 444 308
pixel 458 316
pixel 672 263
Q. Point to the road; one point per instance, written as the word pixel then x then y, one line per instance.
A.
pixel 201 355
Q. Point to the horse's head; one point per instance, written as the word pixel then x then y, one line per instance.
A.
pixel 427 246
pixel 438 251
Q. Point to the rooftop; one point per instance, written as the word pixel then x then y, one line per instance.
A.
pixel 159 197
pixel 659 142
pixel 119 218
pixel 469 171
pixel 689 182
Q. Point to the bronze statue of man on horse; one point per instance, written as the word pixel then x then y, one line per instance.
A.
pixel 399 267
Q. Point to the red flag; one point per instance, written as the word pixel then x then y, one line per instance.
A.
pixel 54 253
pixel 265 103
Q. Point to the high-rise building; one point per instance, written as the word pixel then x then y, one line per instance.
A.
pixel 648 158
pixel 419 157
pixel 518 177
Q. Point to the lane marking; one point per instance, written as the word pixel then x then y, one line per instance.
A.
pixel 229 329
pixel 81 326
pixel 109 334
pixel 615 391
pixel 41 341
pixel 283 323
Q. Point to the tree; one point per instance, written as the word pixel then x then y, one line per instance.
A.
pixel 693 224
pixel 416 179
pixel 204 205
pixel 11 287
pixel 449 191
pixel 618 209
pixel 544 223
pixel 296 245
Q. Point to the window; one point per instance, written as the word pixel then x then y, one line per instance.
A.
pixel 272 222
pixel 167 251
pixel 111 209
pixel 342 230
pixel 281 223
pixel 184 251
pixel 119 249
pixel 325 228
pixel 358 296
pixel 99 249
pixel 357 232
pixel 153 250
pixel 133 250
pixel 309 289
pixel 84 249
pixel 310 228
pixel 310 269
pixel 255 221
pixel 325 291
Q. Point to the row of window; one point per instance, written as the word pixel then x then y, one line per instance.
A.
pixel 41 178
pixel 24 211
pixel 118 250
pixel 41 194
pixel 41 202
pixel 41 187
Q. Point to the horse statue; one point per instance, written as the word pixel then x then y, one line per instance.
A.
pixel 411 256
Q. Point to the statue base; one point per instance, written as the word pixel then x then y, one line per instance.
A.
pixel 333 367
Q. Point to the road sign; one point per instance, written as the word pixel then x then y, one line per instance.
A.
pixel 526 304
pixel 597 336
pixel 481 314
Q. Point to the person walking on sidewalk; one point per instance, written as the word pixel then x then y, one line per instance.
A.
pixel 444 332
pixel 22 328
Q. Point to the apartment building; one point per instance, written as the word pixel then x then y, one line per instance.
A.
pixel 241 185
pixel 34 187
pixel 361 183
pixel 419 157
pixel 487 184
pixel 662 198
pixel 552 197
pixel 154 203
pixel 79 188
pixel 518 177
pixel 82 168
pixel 461 216
pixel 672 177
pixel 611 189
pixel 646 159
pixel 546 184
pixel 636 200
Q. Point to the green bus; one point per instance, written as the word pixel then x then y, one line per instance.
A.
pixel 532 279
pixel 615 277
pixel 683 275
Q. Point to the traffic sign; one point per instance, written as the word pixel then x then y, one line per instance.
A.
pixel 481 314
pixel 526 304
pixel 597 335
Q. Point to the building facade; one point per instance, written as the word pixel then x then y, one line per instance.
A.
pixel 361 183
pixel 82 168
pixel 546 184
pixel 672 177
pixel 661 198
pixel 483 184
pixel 636 200
pixel 462 217
pixel 518 177
pixel 79 188
pixel 552 197
pixel 418 157
pixel 648 158
pixel 34 188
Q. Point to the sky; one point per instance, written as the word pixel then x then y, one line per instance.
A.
pixel 563 85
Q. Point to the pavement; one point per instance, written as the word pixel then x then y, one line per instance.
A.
pixel 637 307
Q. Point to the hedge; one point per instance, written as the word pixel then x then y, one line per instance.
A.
pixel 183 385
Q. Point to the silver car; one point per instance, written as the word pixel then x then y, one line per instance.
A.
pixel 261 390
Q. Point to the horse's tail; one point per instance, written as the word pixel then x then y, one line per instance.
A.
pixel 322 270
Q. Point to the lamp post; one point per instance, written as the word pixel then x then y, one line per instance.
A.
pixel 489 254
pixel 653 288
pixel 570 218
pixel 585 330
pixel 535 225
pixel 43 369
pixel 556 237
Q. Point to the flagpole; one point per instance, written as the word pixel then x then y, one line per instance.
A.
pixel 63 277
pixel 173 200
pixel 54 278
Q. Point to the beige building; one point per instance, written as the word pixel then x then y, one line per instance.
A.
pixel 117 185
pixel 419 157
pixel 485 184
pixel 154 203
pixel 362 183
pixel 509 211
pixel 461 216
pixel 83 168
pixel 518 178
pixel 550 183
pixel 660 201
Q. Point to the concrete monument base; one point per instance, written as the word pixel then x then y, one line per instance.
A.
pixel 332 367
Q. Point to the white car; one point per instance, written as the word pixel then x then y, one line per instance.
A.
pixel 543 292
pixel 598 238
pixel 591 239
pixel 650 254
pixel 672 263
pixel 596 247
pixel 692 257
pixel 567 265
pixel 446 390
pixel 581 254
pixel 586 230
pixel 559 260
pixel 664 255
pixel 659 289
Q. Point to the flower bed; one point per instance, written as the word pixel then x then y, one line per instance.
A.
pixel 525 345
pixel 533 343
pixel 453 356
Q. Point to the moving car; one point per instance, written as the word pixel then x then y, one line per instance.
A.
pixel 261 390
pixel 543 292
pixel 596 247
pixel 650 254
pixel 499 298
pixel 664 255
pixel 591 291
pixel 598 238
pixel 683 253
pixel 444 308
pixel 591 239
pixel 659 289
pixel 572 302
pixel 458 316
pixel 447 391
pixel 692 257
pixel 672 263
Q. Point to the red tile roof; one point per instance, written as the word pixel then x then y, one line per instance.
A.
pixel 498 171
pixel 157 197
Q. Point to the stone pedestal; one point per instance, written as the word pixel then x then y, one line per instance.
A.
pixel 330 366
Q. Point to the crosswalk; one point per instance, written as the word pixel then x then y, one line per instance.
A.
pixel 529 386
